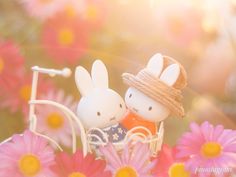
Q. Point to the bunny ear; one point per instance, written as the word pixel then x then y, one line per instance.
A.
pixel 155 64
pixel 83 81
pixel 171 74
pixel 99 74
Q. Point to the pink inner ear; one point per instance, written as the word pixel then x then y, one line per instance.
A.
pixel 171 74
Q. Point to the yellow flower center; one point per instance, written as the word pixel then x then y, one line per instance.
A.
pixel 55 120
pixel 1 65
pixel 126 172
pixel 211 149
pixel 178 170
pixel 76 174
pixel 92 12
pixel 29 165
pixel 25 92
pixel 66 37
pixel 70 11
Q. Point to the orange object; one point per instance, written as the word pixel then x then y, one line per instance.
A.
pixel 132 120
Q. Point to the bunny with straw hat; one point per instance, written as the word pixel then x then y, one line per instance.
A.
pixel 155 92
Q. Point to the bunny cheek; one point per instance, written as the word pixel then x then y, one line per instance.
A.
pixel 145 107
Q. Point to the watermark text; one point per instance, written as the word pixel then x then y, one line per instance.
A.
pixel 214 170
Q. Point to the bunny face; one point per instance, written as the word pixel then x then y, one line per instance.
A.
pixel 144 106
pixel 99 106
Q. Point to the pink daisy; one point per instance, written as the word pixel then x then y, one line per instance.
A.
pixel 26 155
pixel 11 65
pixel 176 26
pixel 52 121
pixel 65 39
pixel 18 95
pixel 208 147
pixel 77 165
pixel 132 162
pixel 168 165
pixel 43 9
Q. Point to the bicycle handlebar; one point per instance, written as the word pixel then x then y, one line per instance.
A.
pixel 66 72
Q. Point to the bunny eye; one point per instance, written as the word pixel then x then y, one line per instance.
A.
pixel 121 106
pixel 130 95
pixel 98 113
pixel 150 108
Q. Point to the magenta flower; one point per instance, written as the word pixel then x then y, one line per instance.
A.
pixel 168 165
pixel 65 39
pixel 18 94
pixel 132 161
pixel 76 165
pixel 11 65
pixel 208 147
pixel 26 155
pixel 52 121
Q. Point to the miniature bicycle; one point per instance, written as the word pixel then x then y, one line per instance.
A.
pixel 89 141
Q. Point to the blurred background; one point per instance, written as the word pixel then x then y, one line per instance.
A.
pixel 201 34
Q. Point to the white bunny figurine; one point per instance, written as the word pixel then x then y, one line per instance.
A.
pixel 100 107
pixel 144 110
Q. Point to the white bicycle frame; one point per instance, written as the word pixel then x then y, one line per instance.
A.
pixel 68 113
